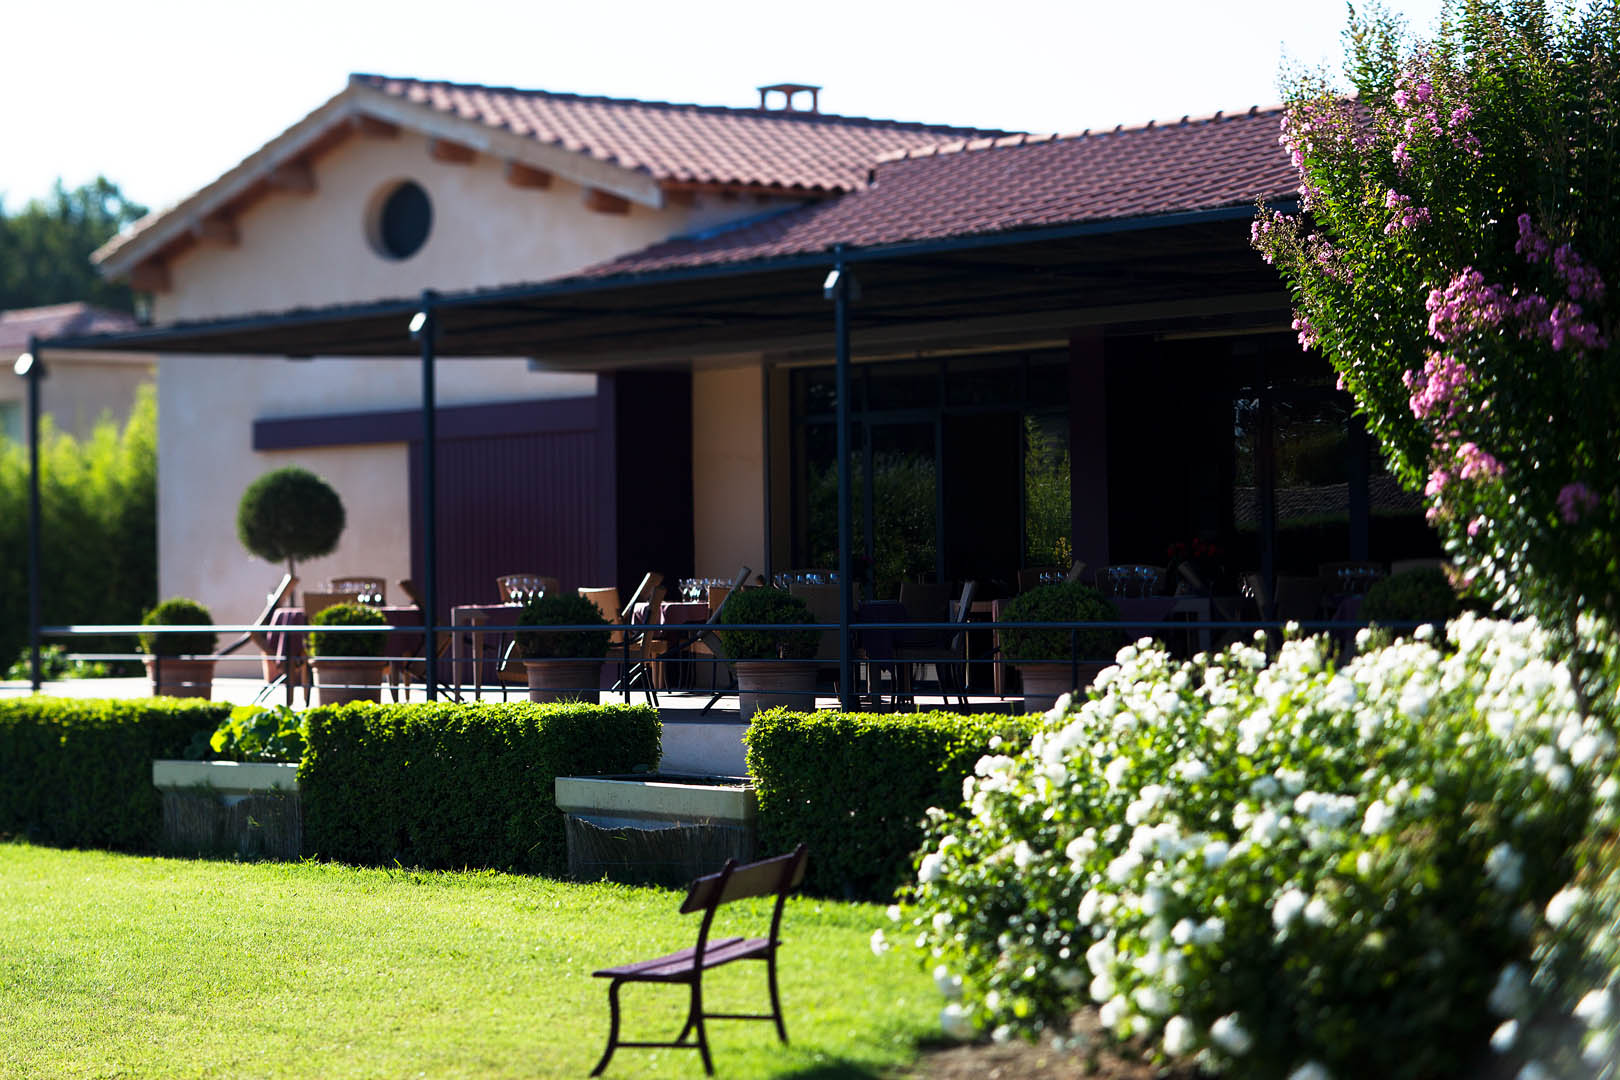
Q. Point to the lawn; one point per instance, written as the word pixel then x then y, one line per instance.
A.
pixel 118 965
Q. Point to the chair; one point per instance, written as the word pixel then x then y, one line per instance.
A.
pixel 708 642
pixel 606 601
pixel 259 636
pixel 314 604
pixel 824 604
pixel 401 672
pixel 644 645
pixel 876 647
pixel 369 589
pixel 516 588
pixel 1077 572
pixel 937 647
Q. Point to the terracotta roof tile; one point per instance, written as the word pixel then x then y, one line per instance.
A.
pixel 59 320
pixel 694 144
pixel 963 188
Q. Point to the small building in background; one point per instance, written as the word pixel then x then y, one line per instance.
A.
pixel 80 387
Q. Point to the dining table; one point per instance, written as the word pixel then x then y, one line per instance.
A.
pixel 285 650
pixel 674 675
pixel 477 644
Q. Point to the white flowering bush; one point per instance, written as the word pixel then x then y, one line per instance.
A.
pixel 1275 867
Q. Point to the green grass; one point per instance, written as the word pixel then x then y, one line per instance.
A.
pixel 122 966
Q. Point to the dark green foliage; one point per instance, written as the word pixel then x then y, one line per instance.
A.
pixel 78 771
pixel 443 786
pixel 561 609
pixel 254 733
pixel 1065 602
pixel 179 611
pixel 356 645
pixel 45 247
pixel 855 787
pixel 54 664
pixel 1418 595
pixel 98 533
pixel 751 606
pixel 289 513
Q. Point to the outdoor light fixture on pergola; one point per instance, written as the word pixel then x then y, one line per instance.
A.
pixel 30 367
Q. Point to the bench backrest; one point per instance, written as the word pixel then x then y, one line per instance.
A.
pixel 776 876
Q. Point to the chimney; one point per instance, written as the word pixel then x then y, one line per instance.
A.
pixel 789 91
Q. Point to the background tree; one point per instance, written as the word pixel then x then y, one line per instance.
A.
pixel 1457 259
pixel 45 247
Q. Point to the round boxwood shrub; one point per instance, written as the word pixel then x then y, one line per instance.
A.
pixel 179 611
pixel 1421 595
pixel 289 514
pixel 1064 602
pixel 561 609
pixel 348 644
pixel 767 606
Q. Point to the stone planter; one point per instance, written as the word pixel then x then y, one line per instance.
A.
pixel 247 809
pixel 1045 683
pixel 765 684
pixel 173 677
pixel 655 828
pixel 564 680
pixel 340 681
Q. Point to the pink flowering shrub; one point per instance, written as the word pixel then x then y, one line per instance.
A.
pixel 1457 258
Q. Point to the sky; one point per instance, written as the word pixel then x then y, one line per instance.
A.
pixel 165 96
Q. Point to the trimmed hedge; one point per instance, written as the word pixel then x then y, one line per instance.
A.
pixel 450 786
pixel 78 771
pixel 855 787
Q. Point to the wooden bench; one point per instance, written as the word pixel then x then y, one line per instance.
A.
pixel 777 876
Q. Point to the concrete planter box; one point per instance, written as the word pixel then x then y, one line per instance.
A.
pixel 654 828
pixel 249 809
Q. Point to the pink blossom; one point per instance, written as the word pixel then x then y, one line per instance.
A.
pixel 1465 304
pixel 1401 99
pixel 1461 115
pixel 1307 333
pixel 1575 501
pixel 1437 392
pixel 1476 525
pixel 1583 282
pixel 1403 160
pixel 1438 479
pixel 1477 462
pixel 1532 245
pixel 1424 91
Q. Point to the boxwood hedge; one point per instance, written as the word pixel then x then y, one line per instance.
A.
pixel 443 785
pixel 78 771
pixel 855 787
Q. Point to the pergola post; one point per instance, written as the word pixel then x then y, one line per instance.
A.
pixel 31 366
pixel 837 289
pixel 424 326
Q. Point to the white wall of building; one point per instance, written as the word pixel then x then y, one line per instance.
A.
pixel 313 250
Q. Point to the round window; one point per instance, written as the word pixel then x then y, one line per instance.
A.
pixel 401 220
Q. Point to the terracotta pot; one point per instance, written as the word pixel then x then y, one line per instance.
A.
pixel 765 684
pixel 181 678
pixel 564 680
pixel 341 681
pixel 1045 683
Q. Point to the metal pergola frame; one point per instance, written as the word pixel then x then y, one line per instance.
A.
pixel 1195 267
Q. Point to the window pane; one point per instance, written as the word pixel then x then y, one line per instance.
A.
pixel 1046 492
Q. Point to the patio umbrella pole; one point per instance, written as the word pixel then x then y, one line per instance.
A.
pixel 423 325
pixel 837 289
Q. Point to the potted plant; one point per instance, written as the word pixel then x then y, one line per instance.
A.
pixel 770 668
pixel 1421 595
pixel 289 514
pixel 171 675
pixel 1046 658
pixel 345 668
pixel 563 665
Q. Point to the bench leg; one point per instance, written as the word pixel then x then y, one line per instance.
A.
pixel 613 1029
pixel 695 1019
pixel 776 998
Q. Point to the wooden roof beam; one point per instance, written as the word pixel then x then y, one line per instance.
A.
pixel 150 276
pixel 218 229
pixel 293 177
pixel 605 202
pixel 373 127
pixel 527 176
pixel 451 153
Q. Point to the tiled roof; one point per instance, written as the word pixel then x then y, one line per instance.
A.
pixel 1017 182
pixel 58 320
pixel 686 144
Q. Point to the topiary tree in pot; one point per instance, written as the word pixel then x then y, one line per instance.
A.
pixel 770 667
pixel 348 667
pixel 289 514
pixel 563 665
pixel 1054 662
pixel 171 675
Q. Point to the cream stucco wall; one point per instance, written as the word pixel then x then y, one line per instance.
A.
pixel 728 469
pixel 313 250
pixel 79 388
